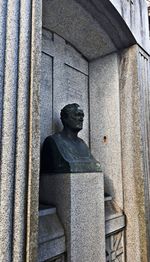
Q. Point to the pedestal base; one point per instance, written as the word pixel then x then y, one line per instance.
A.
pixel 79 199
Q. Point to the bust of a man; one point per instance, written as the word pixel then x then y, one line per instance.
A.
pixel 65 152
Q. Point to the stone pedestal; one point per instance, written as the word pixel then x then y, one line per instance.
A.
pixel 79 199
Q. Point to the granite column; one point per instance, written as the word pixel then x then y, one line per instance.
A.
pixel 19 82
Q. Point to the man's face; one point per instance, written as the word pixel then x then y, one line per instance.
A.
pixel 74 121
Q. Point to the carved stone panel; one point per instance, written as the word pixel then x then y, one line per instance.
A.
pixel 114 248
pixel 67 80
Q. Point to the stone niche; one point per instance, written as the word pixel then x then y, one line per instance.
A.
pixel 80 65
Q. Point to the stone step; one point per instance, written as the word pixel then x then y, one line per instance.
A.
pixel 46 210
pixel 51 234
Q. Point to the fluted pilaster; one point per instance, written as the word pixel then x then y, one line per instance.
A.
pixel 20 26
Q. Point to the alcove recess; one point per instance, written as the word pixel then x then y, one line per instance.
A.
pixel 80 64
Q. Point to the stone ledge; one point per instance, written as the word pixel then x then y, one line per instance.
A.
pixel 51 235
pixel 114 217
pixel 50 250
pixel 114 225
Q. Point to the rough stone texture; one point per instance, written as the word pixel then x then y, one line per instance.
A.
pixel 51 235
pixel 134 13
pixel 9 131
pixel 34 131
pixel 144 83
pixel 46 97
pixel 79 199
pixel 105 122
pixel 3 8
pixel 108 18
pixel 70 20
pixel 20 197
pixel 133 172
pixel 112 23
pixel 14 83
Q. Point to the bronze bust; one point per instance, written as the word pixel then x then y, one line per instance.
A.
pixel 65 152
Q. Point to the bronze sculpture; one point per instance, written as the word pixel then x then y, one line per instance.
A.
pixel 65 152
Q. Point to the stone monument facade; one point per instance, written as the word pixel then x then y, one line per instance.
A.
pixel 96 54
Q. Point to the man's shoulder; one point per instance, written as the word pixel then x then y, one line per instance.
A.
pixel 53 141
pixel 82 141
pixel 52 137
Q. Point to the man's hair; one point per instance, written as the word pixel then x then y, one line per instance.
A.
pixel 66 110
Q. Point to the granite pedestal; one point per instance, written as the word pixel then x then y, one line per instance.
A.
pixel 79 199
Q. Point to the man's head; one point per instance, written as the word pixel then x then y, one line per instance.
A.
pixel 72 117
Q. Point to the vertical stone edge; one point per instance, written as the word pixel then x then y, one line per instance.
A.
pixel 8 147
pixel 34 131
pixel 132 158
pixel 20 184
pixel 144 82
pixel 3 10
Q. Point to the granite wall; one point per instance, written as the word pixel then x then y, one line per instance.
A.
pixel 117 25
pixel 132 157
pixel 105 122
pixel 20 81
pixel 134 13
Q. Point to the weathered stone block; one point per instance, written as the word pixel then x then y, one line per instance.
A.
pixel 79 199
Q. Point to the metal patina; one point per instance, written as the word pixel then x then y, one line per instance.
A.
pixel 65 152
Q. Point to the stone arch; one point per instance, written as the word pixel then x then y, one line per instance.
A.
pixel 101 12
